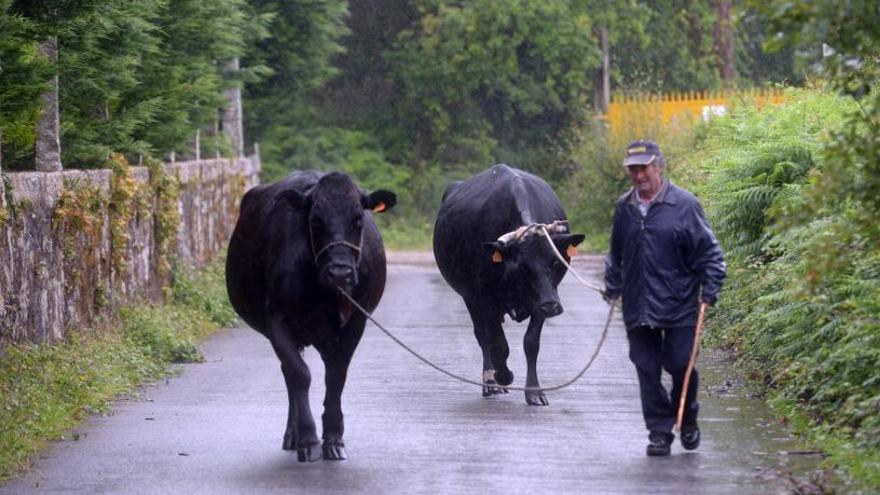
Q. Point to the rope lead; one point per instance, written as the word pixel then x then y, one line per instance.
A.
pixel 495 385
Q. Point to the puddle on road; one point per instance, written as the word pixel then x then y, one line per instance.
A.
pixel 746 428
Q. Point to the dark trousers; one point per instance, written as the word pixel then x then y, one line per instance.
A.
pixel 653 350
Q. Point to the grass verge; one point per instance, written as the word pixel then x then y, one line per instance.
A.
pixel 47 389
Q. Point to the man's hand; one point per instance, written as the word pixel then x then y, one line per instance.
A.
pixel 609 296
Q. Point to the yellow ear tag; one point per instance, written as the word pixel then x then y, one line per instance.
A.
pixel 496 256
pixel 571 251
pixel 380 207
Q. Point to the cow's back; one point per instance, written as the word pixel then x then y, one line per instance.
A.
pixel 479 210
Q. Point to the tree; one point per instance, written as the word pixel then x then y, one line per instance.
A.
pixel 676 52
pixel 490 81
pixel 303 35
pixel 23 75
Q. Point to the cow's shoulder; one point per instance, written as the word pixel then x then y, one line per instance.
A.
pixel 451 189
pixel 299 180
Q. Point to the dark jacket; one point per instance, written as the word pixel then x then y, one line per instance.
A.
pixel 659 263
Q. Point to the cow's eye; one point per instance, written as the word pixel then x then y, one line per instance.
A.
pixel 357 223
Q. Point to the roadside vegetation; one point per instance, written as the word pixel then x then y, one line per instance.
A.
pixel 800 305
pixel 47 389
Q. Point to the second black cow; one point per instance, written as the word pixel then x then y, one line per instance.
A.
pixel 297 244
pixel 490 243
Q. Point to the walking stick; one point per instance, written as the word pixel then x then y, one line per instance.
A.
pixel 687 374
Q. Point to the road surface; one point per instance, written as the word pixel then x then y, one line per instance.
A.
pixel 217 427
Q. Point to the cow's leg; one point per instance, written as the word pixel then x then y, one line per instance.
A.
pixel 336 362
pixel 531 345
pixel 498 349
pixel 480 332
pixel 298 378
pixel 289 442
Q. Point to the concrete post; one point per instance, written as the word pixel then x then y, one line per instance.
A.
pixel 48 141
pixel 231 122
pixel 198 144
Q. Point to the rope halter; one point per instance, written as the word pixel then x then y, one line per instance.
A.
pixel 556 227
pixel 354 247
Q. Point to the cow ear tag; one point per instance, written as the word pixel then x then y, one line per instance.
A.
pixel 380 207
pixel 571 251
pixel 496 257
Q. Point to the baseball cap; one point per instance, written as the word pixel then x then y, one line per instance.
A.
pixel 642 153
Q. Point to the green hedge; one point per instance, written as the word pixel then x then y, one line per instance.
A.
pixel 803 294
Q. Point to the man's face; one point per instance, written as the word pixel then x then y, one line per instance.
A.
pixel 646 179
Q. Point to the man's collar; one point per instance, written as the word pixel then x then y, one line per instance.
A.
pixel 661 196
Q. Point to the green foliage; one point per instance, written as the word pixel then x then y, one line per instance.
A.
pixel 804 283
pixel 850 29
pixel 185 76
pixel 754 62
pixel 23 73
pixel 763 157
pixel 46 389
pixel 204 292
pixel 675 53
pixel 494 81
pixel 134 77
pixel 302 37
pixel 804 317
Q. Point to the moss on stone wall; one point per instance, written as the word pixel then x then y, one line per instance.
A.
pixel 84 242
pixel 7 206
pixel 121 207
pixel 166 190
pixel 78 220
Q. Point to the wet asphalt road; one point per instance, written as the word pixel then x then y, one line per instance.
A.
pixel 217 428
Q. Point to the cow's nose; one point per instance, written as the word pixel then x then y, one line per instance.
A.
pixel 342 275
pixel 550 308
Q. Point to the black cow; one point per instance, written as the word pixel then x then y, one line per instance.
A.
pixel 490 250
pixel 296 243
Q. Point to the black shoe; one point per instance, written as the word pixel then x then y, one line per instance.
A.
pixel 690 437
pixel 659 443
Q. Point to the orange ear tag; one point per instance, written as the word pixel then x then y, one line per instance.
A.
pixel 380 207
pixel 496 256
pixel 571 251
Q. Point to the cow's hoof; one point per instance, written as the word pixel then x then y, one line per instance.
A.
pixel 536 399
pixel 490 386
pixel 308 453
pixel 289 442
pixel 334 451
pixel 504 377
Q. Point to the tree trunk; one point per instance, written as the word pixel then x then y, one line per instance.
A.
pixel 724 42
pixel 48 140
pixel 231 121
pixel 602 85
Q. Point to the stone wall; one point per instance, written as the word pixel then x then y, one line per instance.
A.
pixel 77 243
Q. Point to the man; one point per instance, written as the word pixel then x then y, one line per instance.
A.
pixel 664 261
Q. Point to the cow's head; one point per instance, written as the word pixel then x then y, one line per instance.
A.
pixel 336 224
pixel 530 270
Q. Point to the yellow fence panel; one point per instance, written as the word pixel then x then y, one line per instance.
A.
pixel 640 115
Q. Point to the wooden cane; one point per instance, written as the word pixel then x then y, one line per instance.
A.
pixel 687 374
